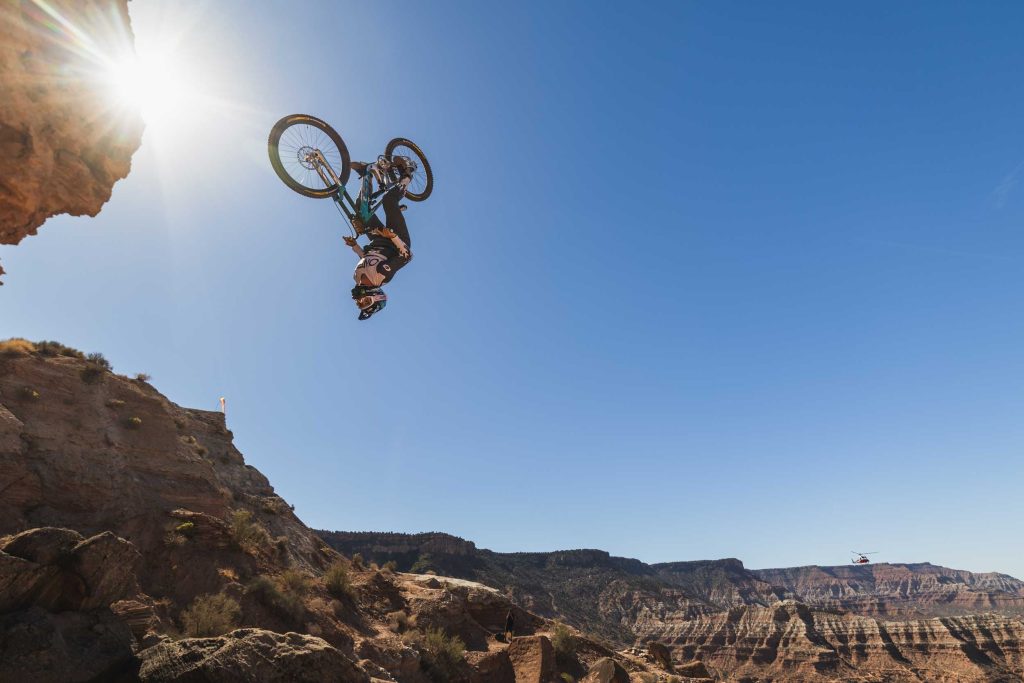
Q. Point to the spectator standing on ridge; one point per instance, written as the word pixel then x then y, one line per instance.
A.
pixel 510 625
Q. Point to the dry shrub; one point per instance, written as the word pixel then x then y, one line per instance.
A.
pixel 96 366
pixel 398 621
pixel 99 361
pixel 357 561
pixel 228 573
pixel 296 582
pixel 285 604
pixel 210 615
pixel 16 346
pixel 319 605
pixel 247 534
pixel 337 582
pixel 53 349
pixel 563 641
pixel 390 567
pixel 272 505
pixel 443 654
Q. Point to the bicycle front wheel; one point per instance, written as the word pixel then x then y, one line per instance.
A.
pixel 297 143
pixel 422 178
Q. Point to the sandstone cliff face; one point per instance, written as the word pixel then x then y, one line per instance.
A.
pixel 901 590
pixel 792 642
pixel 118 509
pixel 64 142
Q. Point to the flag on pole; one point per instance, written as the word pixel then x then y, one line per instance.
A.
pixel 223 406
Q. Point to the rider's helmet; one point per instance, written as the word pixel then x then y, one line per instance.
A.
pixel 369 300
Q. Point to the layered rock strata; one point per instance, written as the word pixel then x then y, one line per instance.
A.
pixel 901 590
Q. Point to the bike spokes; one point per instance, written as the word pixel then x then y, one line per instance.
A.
pixel 308 155
pixel 299 147
pixel 402 154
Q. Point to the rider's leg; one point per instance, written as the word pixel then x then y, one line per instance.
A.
pixel 394 217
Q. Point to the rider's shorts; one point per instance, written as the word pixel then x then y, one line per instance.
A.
pixel 373 270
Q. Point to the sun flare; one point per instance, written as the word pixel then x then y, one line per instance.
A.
pixel 157 84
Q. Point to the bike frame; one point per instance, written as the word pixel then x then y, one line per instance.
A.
pixel 361 209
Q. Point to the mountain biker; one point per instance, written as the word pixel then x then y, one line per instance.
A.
pixel 387 252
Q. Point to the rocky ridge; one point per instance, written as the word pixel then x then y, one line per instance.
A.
pixel 64 142
pixel 752 625
pixel 137 545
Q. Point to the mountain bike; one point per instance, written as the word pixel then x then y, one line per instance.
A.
pixel 311 158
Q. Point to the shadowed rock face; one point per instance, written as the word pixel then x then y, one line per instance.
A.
pixel 64 141
pixel 55 591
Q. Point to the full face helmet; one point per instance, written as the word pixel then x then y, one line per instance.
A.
pixel 369 300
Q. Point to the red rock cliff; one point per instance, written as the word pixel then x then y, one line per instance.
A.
pixel 64 141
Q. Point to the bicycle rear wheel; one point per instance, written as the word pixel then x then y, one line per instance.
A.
pixel 422 178
pixel 293 144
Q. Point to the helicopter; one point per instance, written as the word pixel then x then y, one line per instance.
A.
pixel 862 557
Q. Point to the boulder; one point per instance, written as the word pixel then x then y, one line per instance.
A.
pixel 141 618
pixel 491 667
pixel 661 655
pixel 533 659
pixel 694 669
pixel 606 670
pixel 58 570
pixel 248 655
pixel 37 646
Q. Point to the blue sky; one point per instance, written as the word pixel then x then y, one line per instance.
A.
pixel 697 280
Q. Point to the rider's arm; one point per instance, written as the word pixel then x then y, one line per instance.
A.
pixel 351 241
pixel 402 248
